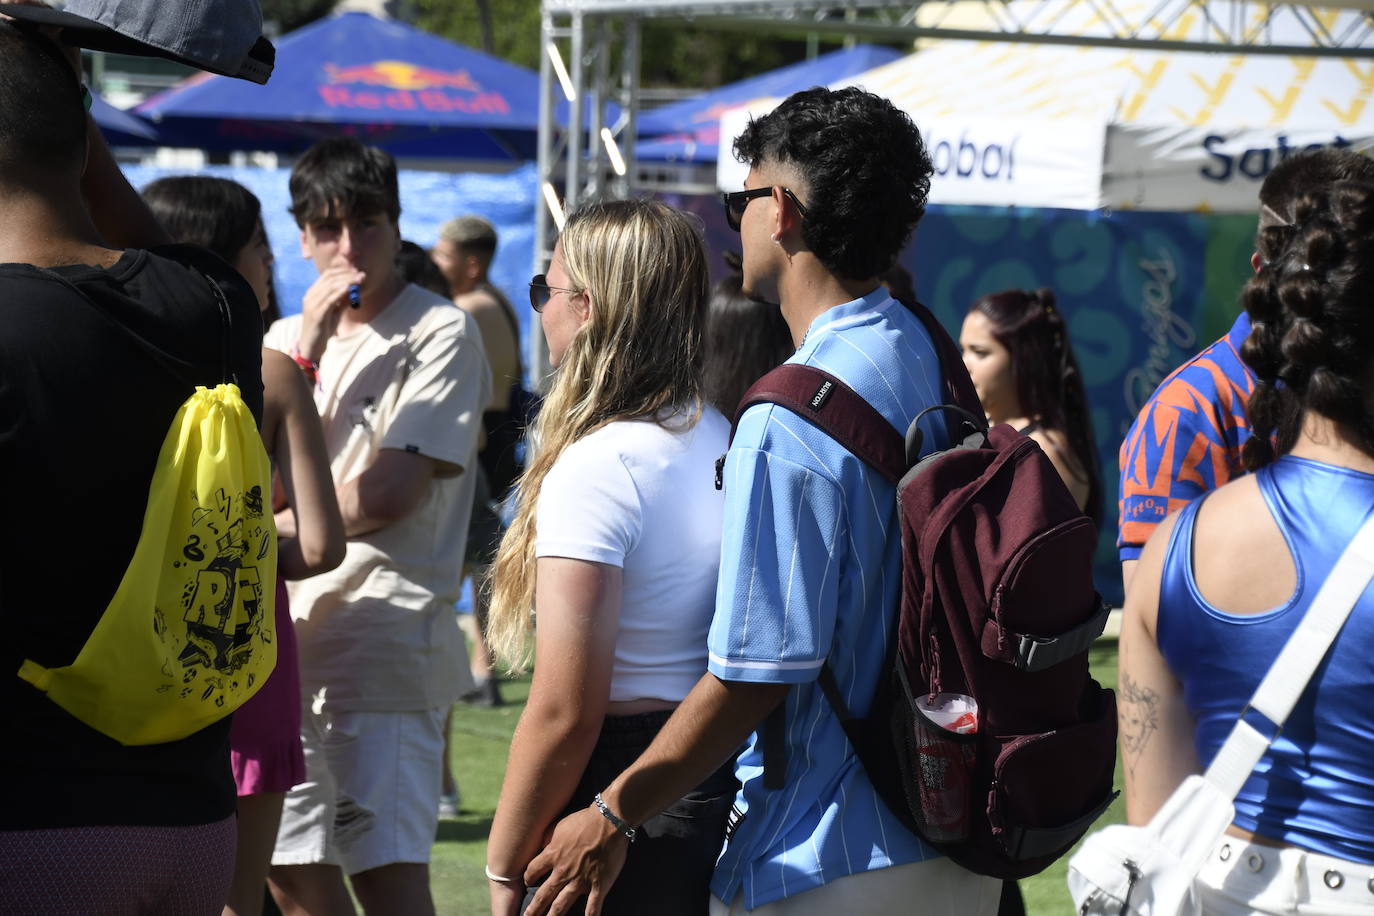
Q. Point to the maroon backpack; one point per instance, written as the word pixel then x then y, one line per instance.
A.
pixel 997 604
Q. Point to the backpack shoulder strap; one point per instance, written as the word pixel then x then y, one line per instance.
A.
pixel 836 409
pixel 840 412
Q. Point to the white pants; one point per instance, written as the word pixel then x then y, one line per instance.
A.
pixel 371 795
pixel 1241 879
pixel 936 887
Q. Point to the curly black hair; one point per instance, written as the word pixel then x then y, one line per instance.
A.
pixel 866 170
pixel 1311 308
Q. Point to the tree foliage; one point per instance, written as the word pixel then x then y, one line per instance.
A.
pixel 289 15
pixel 515 25
pixel 673 55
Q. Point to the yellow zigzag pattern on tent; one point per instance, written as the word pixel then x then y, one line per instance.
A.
pixel 1213 94
pixel 1131 87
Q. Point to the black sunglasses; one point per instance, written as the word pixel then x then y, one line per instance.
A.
pixel 541 292
pixel 736 201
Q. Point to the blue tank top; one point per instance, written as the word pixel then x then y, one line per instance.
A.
pixel 1314 787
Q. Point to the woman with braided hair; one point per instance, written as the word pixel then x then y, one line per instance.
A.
pixel 1017 352
pixel 1223 583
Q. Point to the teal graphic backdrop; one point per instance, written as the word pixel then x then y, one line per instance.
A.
pixel 1141 292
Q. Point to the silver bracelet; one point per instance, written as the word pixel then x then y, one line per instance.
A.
pixel 500 879
pixel 616 822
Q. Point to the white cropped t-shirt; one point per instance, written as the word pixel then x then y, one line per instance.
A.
pixel 642 497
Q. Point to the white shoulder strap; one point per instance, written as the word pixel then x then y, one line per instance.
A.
pixel 1291 672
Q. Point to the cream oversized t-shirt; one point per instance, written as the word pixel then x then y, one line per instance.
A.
pixel 378 632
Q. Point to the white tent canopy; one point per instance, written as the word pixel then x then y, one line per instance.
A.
pixel 1083 128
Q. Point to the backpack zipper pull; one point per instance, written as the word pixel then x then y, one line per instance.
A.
pixel 720 473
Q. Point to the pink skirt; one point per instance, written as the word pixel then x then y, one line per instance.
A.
pixel 265 738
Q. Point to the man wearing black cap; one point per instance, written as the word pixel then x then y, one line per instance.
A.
pixel 101 340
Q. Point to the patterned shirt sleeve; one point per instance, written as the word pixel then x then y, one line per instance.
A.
pixel 1185 442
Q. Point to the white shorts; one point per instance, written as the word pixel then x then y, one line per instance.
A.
pixel 935 887
pixel 1240 879
pixel 371 791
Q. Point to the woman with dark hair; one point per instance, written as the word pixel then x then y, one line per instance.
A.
pixel 1224 582
pixel 745 338
pixel 1018 354
pixel 221 215
pixel 265 743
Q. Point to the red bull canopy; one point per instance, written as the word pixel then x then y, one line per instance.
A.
pixel 383 81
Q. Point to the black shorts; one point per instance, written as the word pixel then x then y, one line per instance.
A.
pixel 668 869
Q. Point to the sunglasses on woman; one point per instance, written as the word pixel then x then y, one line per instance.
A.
pixel 541 292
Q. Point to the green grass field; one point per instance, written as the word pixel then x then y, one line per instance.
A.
pixel 482 736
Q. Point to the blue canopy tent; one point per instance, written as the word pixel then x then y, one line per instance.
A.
pixel 119 127
pixel 689 130
pixel 384 82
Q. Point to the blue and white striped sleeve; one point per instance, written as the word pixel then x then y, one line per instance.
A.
pixel 778 592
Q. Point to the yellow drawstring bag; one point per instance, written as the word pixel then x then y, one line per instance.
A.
pixel 189 635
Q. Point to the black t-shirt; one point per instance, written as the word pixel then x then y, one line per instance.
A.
pixel 89 385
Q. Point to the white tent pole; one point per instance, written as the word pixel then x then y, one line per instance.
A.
pixel 629 103
pixel 577 70
pixel 538 347
pixel 596 98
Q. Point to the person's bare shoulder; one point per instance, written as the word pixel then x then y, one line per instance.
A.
pixel 284 388
pixel 476 302
pixel 497 334
pixel 1057 448
pixel 277 367
pixel 1241 560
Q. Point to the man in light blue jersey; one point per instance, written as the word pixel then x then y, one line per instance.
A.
pixel 811 555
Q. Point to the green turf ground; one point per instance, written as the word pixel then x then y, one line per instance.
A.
pixel 482 736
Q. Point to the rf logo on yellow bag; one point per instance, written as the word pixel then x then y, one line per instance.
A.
pixel 224 604
pixel 189 635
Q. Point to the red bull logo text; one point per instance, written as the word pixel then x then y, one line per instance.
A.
pixel 397 74
pixel 401 86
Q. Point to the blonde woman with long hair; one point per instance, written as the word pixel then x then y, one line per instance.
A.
pixel 614 548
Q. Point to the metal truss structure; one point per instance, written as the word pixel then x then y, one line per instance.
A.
pixel 591 60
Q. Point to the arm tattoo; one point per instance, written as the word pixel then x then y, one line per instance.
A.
pixel 1139 719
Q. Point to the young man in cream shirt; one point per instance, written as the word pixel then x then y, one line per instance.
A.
pixel 401 381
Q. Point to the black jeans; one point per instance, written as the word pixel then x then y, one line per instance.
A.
pixel 668 869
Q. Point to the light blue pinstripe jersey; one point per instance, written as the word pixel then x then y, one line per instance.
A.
pixel 810 569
